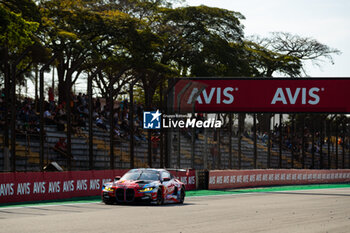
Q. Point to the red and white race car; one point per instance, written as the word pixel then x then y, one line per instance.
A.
pixel 146 185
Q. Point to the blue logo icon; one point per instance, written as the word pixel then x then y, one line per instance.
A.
pixel 151 120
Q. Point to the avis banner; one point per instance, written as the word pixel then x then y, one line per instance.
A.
pixel 38 186
pixel 254 178
pixel 283 95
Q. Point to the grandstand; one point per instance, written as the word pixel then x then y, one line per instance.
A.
pixel 28 147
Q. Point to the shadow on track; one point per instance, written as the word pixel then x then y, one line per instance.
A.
pixel 167 205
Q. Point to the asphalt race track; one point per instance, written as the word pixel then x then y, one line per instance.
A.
pixel 326 210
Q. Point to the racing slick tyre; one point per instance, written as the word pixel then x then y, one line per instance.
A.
pixel 160 198
pixel 182 196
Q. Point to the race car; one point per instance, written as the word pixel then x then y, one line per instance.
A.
pixel 155 186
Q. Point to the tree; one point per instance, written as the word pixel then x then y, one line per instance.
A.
pixel 17 36
pixel 135 54
pixel 201 37
pixel 80 36
pixel 295 49
pixel 264 62
pixel 144 50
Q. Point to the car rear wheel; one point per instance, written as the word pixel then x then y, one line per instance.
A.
pixel 160 199
pixel 182 196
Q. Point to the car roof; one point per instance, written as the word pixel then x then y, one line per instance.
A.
pixel 147 169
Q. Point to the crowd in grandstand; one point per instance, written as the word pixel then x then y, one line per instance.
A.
pixel 300 141
pixel 28 118
pixel 28 121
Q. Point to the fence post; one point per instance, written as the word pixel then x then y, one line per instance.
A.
pixel 255 141
pixel 205 160
pixel 42 98
pixel 303 142
pixel 329 144
pixel 230 141
pixel 321 144
pixel 336 144
pixel 313 143
pixel 240 141
pixel 343 143
pixel 13 118
pixel 69 122
pixel 161 137
pixel 111 123
pixel 292 139
pixel 269 135
pixel 219 147
pixel 281 138
pixel 91 134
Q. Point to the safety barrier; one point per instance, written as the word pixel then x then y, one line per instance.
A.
pixel 253 178
pixel 39 186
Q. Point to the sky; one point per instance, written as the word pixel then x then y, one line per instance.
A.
pixel 327 21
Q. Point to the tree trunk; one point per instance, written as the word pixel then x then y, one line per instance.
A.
pixel 61 84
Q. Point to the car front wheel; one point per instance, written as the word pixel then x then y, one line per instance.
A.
pixel 160 199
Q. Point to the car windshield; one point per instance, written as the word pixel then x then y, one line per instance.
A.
pixel 141 175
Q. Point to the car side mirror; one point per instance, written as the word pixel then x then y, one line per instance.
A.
pixel 116 178
pixel 166 179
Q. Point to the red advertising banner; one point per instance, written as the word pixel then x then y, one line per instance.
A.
pixel 188 177
pixel 37 186
pixel 253 178
pixel 284 95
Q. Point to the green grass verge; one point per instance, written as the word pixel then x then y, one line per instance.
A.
pixel 265 189
pixel 194 193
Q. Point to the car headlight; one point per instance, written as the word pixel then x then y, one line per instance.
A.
pixel 146 189
pixel 108 189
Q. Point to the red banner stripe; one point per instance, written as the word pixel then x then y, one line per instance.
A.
pixel 263 95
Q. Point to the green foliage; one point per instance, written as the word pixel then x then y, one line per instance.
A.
pixel 26 8
pixel 200 38
pixel 16 33
pixel 19 27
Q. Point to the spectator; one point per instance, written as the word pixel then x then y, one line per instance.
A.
pixel 51 99
pixel 49 118
pixel 61 146
pixel 125 126
pixel 100 123
pixel 117 132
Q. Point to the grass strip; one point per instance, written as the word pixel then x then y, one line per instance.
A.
pixel 264 189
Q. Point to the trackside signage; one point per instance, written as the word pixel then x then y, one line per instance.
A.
pixel 262 95
pixel 253 178
pixel 37 186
